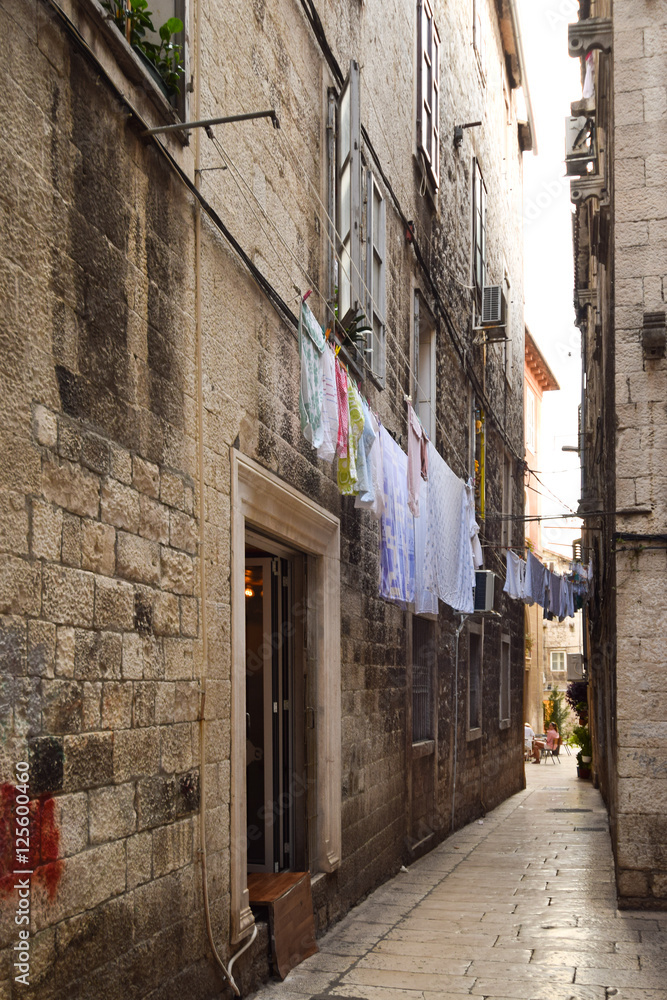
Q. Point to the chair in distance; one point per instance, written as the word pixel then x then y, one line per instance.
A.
pixel 553 754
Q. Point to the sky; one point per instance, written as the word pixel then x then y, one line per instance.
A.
pixel 554 82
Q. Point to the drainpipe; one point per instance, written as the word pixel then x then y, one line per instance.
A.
pixel 516 28
pixel 227 972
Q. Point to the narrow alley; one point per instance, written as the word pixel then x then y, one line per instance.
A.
pixel 520 905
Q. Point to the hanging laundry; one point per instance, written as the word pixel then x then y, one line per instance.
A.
pixel 341 392
pixel 397 538
pixel 526 584
pixel 348 476
pixel 327 449
pixel 554 594
pixel 372 500
pixel 473 527
pixel 311 345
pixel 449 568
pixel 589 78
pixel 364 470
pixel 514 575
pixel 425 601
pixel 416 440
pixel 535 579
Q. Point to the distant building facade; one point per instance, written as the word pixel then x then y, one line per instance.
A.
pixel 538 379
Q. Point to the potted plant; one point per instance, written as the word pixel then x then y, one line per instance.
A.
pixel 163 60
pixel 582 737
pixel 576 696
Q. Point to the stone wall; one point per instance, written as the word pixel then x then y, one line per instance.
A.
pixel 640 186
pixel 106 466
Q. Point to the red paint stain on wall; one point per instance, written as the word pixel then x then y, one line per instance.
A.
pixel 44 847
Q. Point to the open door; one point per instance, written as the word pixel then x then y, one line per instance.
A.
pixel 275 788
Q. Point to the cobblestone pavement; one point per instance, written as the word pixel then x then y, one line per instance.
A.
pixel 521 905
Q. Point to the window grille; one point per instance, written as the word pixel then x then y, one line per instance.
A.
pixel 423 664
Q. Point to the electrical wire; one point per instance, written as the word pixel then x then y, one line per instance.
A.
pixel 226 158
pixel 296 165
pixel 553 495
pixel 454 334
pixel 539 493
pixel 237 176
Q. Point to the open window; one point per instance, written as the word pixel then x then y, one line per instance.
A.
pixel 157 35
pixel 428 90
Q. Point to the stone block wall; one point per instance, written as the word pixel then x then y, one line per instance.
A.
pixel 640 249
pixel 100 484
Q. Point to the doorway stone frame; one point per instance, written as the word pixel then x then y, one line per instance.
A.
pixel 261 500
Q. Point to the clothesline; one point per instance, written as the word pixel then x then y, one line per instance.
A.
pixel 429 545
pixel 528 580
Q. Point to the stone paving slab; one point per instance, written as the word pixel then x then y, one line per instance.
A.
pixel 520 906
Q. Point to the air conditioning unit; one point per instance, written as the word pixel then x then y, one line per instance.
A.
pixel 492 305
pixel 575 666
pixel 485 590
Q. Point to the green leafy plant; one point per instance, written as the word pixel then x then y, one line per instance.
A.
pixel 167 57
pixel 555 710
pixel 576 693
pixel 134 19
pixel 357 329
pixel 582 737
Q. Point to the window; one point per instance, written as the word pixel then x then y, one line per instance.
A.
pixel 348 198
pixel 475 640
pixel 425 367
pixel 428 89
pixel 376 225
pixel 508 490
pixel 159 41
pixel 530 420
pixel 504 708
pixel 479 229
pixel 479 37
pixel 557 658
pixel 423 664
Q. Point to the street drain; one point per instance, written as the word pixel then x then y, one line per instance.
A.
pixel 333 996
pixel 591 829
pixel 569 810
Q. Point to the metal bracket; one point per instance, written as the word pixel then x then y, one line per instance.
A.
pixel 592 186
pixel 591 33
pixel 207 122
pixel 654 336
pixel 458 131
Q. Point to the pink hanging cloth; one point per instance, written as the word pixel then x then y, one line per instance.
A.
pixel 343 406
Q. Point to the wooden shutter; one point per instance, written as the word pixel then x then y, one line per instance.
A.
pixel 376 271
pixel 349 197
pixel 428 88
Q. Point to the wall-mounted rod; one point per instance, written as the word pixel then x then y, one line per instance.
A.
pixel 207 122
